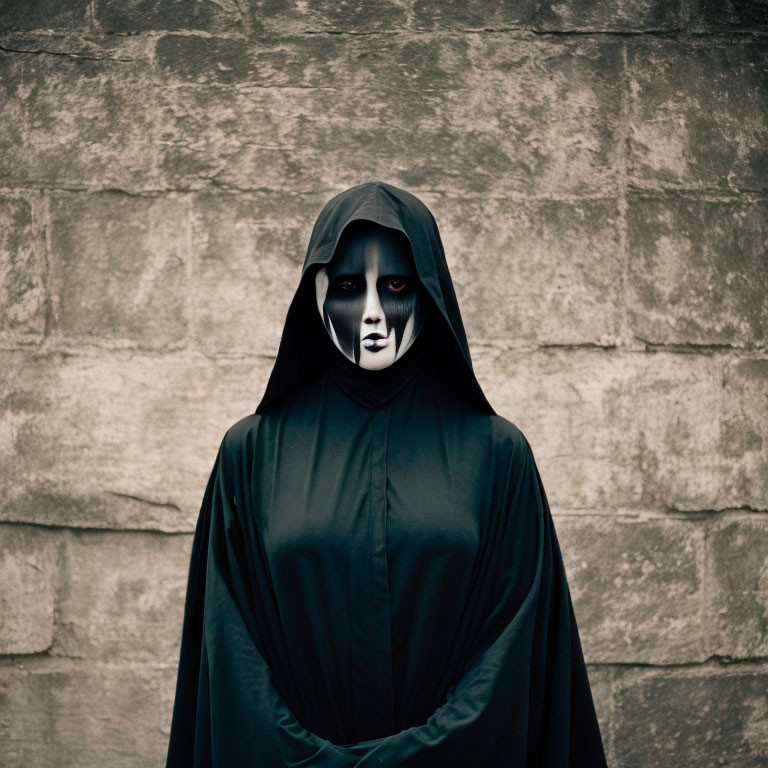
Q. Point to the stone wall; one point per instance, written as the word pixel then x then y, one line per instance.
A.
pixel 598 171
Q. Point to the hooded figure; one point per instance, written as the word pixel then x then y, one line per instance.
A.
pixel 375 578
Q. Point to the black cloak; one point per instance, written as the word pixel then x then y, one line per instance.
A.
pixel 375 577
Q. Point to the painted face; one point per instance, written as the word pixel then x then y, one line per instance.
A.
pixel 370 297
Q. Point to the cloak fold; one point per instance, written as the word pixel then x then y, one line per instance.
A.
pixel 375 577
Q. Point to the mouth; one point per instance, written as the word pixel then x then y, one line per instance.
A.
pixel 375 341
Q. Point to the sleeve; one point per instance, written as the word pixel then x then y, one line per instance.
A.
pixel 523 698
pixel 226 710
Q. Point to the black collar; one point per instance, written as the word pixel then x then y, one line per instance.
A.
pixel 373 389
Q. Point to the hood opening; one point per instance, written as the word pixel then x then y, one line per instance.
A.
pixel 299 356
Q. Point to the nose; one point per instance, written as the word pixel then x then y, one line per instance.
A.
pixel 373 313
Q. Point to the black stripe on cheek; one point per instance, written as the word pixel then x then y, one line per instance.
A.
pixel 397 310
pixel 347 316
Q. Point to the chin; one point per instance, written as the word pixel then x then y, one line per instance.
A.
pixel 375 361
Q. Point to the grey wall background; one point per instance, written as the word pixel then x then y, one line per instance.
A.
pixel 598 171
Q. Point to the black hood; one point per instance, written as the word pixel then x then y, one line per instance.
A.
pixel 302 346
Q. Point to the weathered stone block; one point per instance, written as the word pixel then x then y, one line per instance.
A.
pixel 601 685
pixel 691 719
pixel 637 588
pixel 147 15
pixel 606 16
pixel 537 118
pixel 743 438
pixel 730 16
pixel 28 574
pixel 76 122
pixel 532 272
pixel 122 596
pixel 116 439
pixel 22 271
pixel 738 559
pixel 698 115
pixel 473 14
pixel 120 268
pixel 698 271
pixel 326 15
pixel 641 431
pixel 81 716
pixel 249 253
pixel 194 59
pixel 43 14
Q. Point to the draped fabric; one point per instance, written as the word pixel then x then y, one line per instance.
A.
pixel 375 578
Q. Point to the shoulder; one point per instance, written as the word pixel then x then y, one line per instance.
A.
pixel 509 439
pixel 500 440
pixel 506 433
pixel 242 434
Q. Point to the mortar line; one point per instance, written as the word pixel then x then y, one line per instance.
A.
pixel 48 271
pixel 62 577
pixel 62 346
pixel 713 662
pixel 624 518
pixel 733 195
pixel 76 530
pixel 706 607
pixel 190 266
pixel 93 26
pixel 612 714
pixel 625 334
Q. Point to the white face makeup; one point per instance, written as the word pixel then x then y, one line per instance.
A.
pixel 369 296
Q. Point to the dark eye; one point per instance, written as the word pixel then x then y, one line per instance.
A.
pixel 347 284
pixel 396 284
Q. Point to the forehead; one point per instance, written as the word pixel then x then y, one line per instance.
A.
pixel 371 247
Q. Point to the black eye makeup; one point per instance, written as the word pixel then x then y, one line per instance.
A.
pixel 342 300
pixel 395 283
pixel 348 283
pixel 354 283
